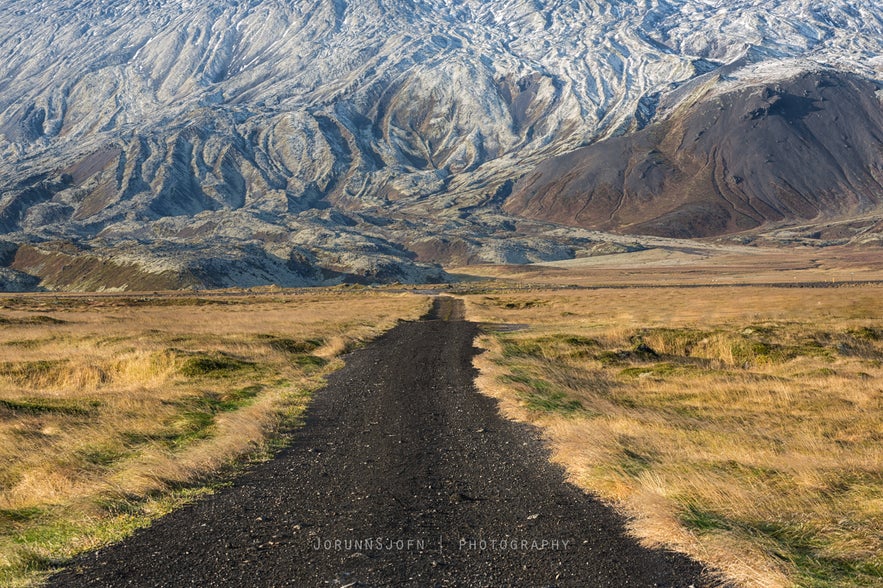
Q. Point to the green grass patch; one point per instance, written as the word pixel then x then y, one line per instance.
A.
pixel 703 521
pixel 640 352
pixel 800 545
pixel 733 466
pixel 867 333
pixel 72 407
pixel 240 397
pixel 218 365
pixel 197 416
pixel 805 549
pixel 13 518
pixel 103 456
pixel 633 463
pixel 189 426
pixel 310 362
pixel 541 396
pixel 53 535
pixel 521 347
pixel 748 351
pixel 26 372
pixel 612 358
pixel 552 402
pixel 135 440
pixel 28 343
pixel 294 346
pixel 41 546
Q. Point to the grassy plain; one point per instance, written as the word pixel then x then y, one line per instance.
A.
pixel 696 263
pixel 733 420
pixel 116 409
pixel 742 425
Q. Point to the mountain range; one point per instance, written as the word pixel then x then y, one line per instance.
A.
pixel 150 144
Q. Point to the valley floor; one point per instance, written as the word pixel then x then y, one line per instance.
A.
pixel 725 399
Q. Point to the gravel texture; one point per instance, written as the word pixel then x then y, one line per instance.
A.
pixel 403 475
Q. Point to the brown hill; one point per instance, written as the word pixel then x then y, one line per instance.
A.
pixel 807 148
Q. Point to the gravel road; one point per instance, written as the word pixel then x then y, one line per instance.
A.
pixel 403 475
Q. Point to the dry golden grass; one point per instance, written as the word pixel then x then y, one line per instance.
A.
pixel 740 425
pixel 685 262
pixel 115 409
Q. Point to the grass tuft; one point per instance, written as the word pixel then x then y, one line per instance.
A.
pixel 540 395
pixel 212 365
pixel 61 406
pixel 294 346
pixel 310 362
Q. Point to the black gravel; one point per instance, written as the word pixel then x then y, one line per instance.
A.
pixel 403 475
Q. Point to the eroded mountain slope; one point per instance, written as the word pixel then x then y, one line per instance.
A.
pixel 806 148
pixel 359 138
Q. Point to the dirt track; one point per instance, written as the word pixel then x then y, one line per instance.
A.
pixel 403 475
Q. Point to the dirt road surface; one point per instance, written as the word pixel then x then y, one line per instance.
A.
pixel 403 475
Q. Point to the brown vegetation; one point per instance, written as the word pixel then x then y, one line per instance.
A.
pixel 696 263
pixel 115 409
pixel 740 425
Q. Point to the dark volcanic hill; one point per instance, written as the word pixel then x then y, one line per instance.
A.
pixel 807 148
